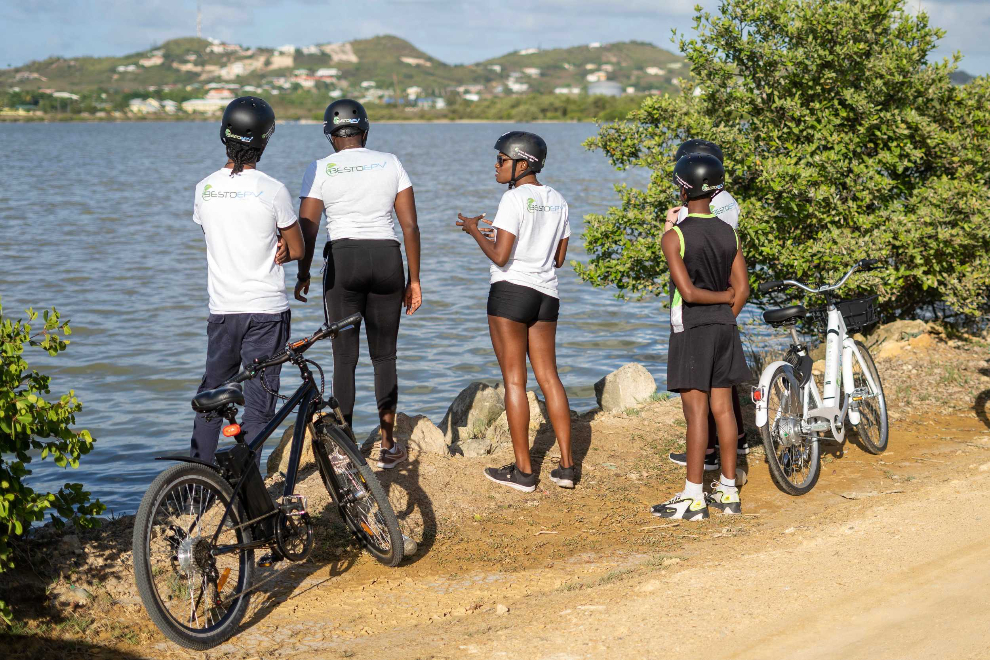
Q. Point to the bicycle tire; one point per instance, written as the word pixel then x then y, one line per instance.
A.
pixel 167 482
pixel 330 440
pixel 883 434
pixel 779 471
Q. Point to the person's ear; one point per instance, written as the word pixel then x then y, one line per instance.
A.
pixel 684 197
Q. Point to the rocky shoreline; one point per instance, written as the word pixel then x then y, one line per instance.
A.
pixel 476 423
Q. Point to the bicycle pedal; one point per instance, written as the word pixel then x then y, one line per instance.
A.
pixel 293 505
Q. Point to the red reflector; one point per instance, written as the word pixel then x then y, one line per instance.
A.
pixel 757 394
pixel 231 430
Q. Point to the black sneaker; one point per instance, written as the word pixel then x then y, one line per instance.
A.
pixel 509 475
pixel 711 460
pixel 564 477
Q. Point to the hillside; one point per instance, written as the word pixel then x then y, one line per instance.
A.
pixel 386 61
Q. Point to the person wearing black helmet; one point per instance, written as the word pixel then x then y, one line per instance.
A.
pixel 243 214
pixel 530 243
pixel 709 285
pixel 726 209
pixel 362 192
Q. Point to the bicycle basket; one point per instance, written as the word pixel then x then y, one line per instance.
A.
pixel 858 313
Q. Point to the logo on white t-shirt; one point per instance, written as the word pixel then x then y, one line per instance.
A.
pixel 533 207
pixel 209 193
pixel 333 169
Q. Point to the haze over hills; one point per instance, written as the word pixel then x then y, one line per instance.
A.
pixel 381 63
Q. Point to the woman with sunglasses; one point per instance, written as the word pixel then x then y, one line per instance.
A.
pixel 529 244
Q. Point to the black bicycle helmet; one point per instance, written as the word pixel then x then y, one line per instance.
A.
pixel 345 113
pixel 521 145
pixel 248 120
pixel 696 146
pixel 700 175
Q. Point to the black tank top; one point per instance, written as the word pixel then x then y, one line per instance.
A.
pixel 708 247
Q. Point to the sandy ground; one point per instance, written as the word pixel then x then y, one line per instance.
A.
pixel 886 558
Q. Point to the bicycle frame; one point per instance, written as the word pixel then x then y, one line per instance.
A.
pixel 304 397
pixel 833 403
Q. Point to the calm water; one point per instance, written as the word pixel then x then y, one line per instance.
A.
pixel 97 222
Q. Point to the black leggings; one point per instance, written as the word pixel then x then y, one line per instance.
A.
pixel 365 276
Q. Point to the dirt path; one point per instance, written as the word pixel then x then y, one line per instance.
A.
pixel 887 558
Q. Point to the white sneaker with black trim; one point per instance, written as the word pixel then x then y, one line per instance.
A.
pixel 725 498
pixel 682 507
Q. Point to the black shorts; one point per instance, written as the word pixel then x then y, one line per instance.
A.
pixel 704 357
pixel 521 303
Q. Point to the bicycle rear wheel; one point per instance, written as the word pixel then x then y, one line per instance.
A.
pixel 872 428
pixel 793 457
pixel 357 493
pixel 195 597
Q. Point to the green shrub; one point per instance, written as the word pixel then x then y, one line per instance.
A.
pixel 842 141
pixel 31 423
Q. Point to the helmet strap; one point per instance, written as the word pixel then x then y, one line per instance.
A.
pixel 514 178
pixel 364 139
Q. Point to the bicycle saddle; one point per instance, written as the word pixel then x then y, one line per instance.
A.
pixel 213 399
pixel 785 314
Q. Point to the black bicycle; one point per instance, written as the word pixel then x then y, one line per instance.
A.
pixel 199 523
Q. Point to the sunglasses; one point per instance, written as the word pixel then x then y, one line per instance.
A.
pixel 501 159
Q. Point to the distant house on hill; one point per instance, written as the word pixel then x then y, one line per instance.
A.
pixel 144 106
pixel 206 106
pixel 605 88
pixel 220 94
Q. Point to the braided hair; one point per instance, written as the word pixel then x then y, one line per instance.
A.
pixel 242 155
pixel 347 131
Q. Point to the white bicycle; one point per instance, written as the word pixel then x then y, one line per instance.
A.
pixel 791 413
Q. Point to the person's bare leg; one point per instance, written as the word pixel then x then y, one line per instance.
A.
pixel 725 419
pixel 543 357
pixel 509 339
pixel 695 405
pixel 386 418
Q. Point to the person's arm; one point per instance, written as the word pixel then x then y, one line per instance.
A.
pixel 292 236
pixel 671 245
pixel 558 258
pixel 498 250
pixel 310 212
pixel 671 220
pixel 405 213
pixel 739 281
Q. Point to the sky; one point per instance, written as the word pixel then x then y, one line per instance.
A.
pixel 455 31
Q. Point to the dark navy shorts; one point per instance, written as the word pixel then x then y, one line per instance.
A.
pixel 521 303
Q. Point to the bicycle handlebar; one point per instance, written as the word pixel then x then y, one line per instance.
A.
pixel 294 348
pixel 862 264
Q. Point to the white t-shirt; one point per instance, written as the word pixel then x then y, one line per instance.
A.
pixel 358 189
pixel 724 207
pixel 240 216
pixel 537 216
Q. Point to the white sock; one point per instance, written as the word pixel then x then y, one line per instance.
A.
pixel 693 490
pixel 725 481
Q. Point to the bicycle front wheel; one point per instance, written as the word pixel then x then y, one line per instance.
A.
pixel 872 428
pixel 195 596
pixel 357 493
pixel 793 457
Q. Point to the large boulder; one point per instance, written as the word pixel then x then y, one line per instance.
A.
pixel 417 433
pixel 278 460
pixel 899 331
pixel 626 387
pixel 497 435
pixel 472 412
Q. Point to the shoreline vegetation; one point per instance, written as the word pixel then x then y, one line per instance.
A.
pixel 533 108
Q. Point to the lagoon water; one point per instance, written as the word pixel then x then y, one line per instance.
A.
pixel 97 222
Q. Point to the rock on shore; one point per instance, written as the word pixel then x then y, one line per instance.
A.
pixel 627 387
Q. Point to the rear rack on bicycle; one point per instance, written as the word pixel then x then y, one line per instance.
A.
pixel 858 313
